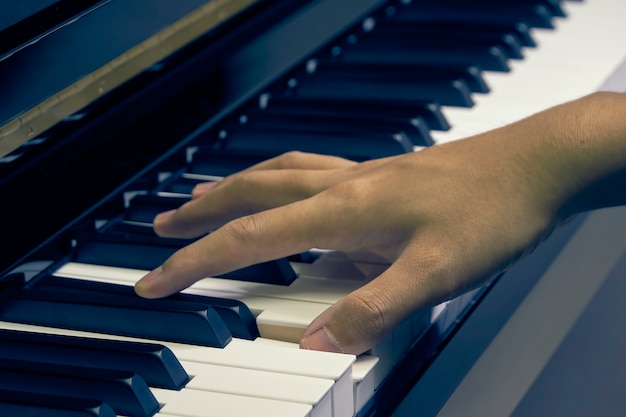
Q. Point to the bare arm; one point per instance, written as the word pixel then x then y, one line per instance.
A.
pixel 447 218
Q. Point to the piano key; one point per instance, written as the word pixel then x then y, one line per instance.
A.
pixel 124 391
pixel 312 122
pixel 17 403
pixel 13 280
pixel 280 318
pixel 246 354
pixel 492 58
pixel 179 185
pixel 521 30
pixel 392 30
pixel 143 208
pixel 307 289
pixel 537 16
pixel 210 161
pixel 553 5
pixel 234 313
pixel 155 363
pixel 136 246
pixel 406 74
pixel 292 309
pixel 362 146
pixel 366 372
pixel 555 66
pixel 452 92
pixel 315 392
pixel 255 355
pixel 279 315
pixel 335 269
pixel 406 111
pixel 156 319
pixel 194 403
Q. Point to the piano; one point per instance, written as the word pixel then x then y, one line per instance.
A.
pixel 112 111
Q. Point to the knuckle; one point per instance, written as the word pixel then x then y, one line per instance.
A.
pixel 290 159
pixel 352 192
pixel 365 311
pixel 243 230
pixel 244 190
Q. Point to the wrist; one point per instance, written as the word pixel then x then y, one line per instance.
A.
pixel 574 155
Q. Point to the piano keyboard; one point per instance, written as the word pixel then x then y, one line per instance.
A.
pixel 269 375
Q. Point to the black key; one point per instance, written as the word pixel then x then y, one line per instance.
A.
pixel 125 392
pixel 309 122
pixel 126 250
pixel 156 364
pixel 160 319
pixel 179 185
pixel 137 248
pixel 237 316
pixel 14 280
pixel 358 147
pixel 536 16
pixel 392 30
pixel 408 51
pixel 210 161
pixel 398 73
pixel 458 22
pixel 143 207
pixel 554 6
pixel 29 404
pixel 445 92
pixel 406 111
pixel 416 129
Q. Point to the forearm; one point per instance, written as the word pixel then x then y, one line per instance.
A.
pixel 600 155
pixel 578 152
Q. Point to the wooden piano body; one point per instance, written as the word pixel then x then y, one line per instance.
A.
pixel 131 97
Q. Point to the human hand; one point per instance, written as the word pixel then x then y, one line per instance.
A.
pixel 447 218
pixel 439 233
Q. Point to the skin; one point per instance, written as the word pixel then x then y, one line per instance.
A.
pixel 446 218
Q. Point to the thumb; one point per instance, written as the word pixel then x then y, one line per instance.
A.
pixel 366 316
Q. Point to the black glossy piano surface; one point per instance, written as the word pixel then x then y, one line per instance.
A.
pixel 359 79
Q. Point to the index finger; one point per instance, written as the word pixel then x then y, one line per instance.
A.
pixel 245 241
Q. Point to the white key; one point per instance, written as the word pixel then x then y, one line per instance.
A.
pixel 365 379
pixel 364 375
pixel 282 313
pixel 335 268
pixel 195 403
pixel 251 355
pixel 569 62
pixel 315 392
pixel 247 354
pixel 302 289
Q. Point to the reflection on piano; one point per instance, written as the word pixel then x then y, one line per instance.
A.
pixel 104 126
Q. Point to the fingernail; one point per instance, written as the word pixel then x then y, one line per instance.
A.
pixel 142 287
pixel 321 340
pixel 161 217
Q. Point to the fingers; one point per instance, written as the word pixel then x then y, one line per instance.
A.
pixel 365 317
pixel 282 180
pixel 302 160
pixel 242 242
pixel 290 160
pixel 238 196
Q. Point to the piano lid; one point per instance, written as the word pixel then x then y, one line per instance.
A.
pixel 84 54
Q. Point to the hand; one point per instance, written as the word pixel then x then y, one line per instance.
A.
pixel 447 218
